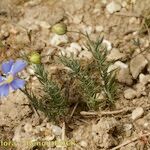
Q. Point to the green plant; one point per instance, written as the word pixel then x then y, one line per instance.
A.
pixel 100 53
pixel 51 102
pixel 91 83
pixel 90 87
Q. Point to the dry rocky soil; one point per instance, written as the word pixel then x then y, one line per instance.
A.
pixel 25 25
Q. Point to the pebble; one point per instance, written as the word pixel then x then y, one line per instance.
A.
pixel 43 24
pixel 83 144
pixel 58 39
pixel 56 130
pixel 140 89
pixel 107 44
pixel 28 127
pixel 115 54
pixel 127 127
pixel 85 55
pixel 49 138
pixel 87 29
pixel 124 76
pixel 78 19
pixel 72 50
pixel 32 3
pixel 117 64
pixel 75 46
pixel 99 28
pixel 137 64
pixel 144 79
pixel 129 93
pixel 113 7
pixel 137 113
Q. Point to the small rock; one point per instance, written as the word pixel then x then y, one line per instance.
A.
pixel 137 64
pixel 133 20
pixel 32 3
pixel 56 130
pixel 83 144
pixel 129 93
pixel 85 55
pixel 99 28
pixel 113 7
pixel 46 54
pixel 143 123
pixel 127 127
pixel 49 138
pixel 137 113
pixel 87 29
pixel 77 19
pixel 144 79
pixel 58 39
pixel 124 4
pixel 28 127
pixel 107 44
pixel 115 55
pixel 117 64
pixel 43 24
pixel 140 89
pixel 124 76
pixel 73 50
pixel 75 46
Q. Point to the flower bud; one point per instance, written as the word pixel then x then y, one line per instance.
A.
pixel 35 58
pixel 59 28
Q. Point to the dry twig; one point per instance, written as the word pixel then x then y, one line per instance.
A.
pixel 94 113
pixel 130 141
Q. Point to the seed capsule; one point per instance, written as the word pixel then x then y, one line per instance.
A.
pixel 59 28
pixel 35 58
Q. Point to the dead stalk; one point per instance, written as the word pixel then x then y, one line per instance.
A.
pixel 130 141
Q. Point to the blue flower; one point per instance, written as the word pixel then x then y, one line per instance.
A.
pixel 10 79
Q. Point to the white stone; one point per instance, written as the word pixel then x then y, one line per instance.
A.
pixel 83 144
pixel 75 46
pixel 99 28
pixel 56 130
pixel 85 55
pixel 87 29
pixel 32 3
pixel 144 79
pixel 140 89
pixel 132 20
pixel 127 127
pixel 69 51
pixel 113 7
pixel 129 93
pixel 117 64
pixel 115 54
pixel 28 127
pixel 123 76
pixel 107 44
pixel 77 19
pixel 137 64
pixel 137 113
pixel 58 39
pixel 124 4
pixel 49 138
pixel 43 24
pixel 72 50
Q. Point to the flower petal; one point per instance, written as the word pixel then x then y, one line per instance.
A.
pixel 4 90
pixel 18 66
pixel 6 66
pixel 17 84
pixel 1 79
